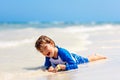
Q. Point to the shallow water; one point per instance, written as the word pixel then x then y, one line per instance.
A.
pixel 21 61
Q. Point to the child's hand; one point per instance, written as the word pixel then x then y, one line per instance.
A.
pixel 51 69
pixel 60 67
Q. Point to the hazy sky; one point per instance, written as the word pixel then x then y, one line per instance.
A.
pixel 59 10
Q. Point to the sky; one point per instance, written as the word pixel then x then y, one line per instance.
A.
pixel 60 10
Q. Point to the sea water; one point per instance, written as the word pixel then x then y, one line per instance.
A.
pixel 19 60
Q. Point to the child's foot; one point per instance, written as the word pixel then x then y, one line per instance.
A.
pixel 101 56
pixel 95 57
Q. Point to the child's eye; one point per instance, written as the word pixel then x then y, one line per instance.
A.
pixel 45 47
pixel 41 51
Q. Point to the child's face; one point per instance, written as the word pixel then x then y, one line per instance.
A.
pixel 48 50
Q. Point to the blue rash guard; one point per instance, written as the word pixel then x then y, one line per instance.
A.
pixel 71 60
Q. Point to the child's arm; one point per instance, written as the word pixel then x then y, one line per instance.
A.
pixel 68 58
pixel 47 63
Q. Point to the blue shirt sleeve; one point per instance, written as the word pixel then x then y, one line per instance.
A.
pixel 68 58
pixel 47 62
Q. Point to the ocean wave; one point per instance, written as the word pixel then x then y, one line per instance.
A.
pixel 15 43
pixel 37 24
pixel 83 28
pixel 28 35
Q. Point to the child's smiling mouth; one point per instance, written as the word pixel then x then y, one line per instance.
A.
pixel 48 54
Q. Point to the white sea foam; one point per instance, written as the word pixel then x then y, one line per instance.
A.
pixel 15 43
pixel 18 37
pixel 83 28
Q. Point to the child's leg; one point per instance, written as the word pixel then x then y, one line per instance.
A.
pixel 95 57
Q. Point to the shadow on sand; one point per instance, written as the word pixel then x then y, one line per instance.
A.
pixel 36 68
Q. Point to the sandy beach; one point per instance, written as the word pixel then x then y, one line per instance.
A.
pixel 21 61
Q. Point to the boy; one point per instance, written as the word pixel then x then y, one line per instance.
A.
pixel 60 59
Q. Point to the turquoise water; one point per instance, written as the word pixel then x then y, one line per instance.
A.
pixel 20 25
